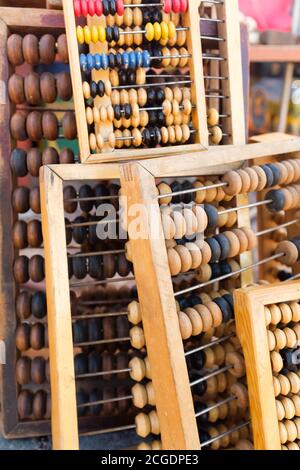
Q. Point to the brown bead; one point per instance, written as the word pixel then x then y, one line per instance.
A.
pixel 37 336
pixel 16 89
pixel 23 337
pixel 70 193
pixel 50 156
pixel 34 161
pixel 23 305
pixel 24 406
pixel 20 270
pixel 62 48
pixel 47 49
pixel 34 200
pixel 38 370
pixel 69 125
pixel 19 235
pixel 48 87
pixel 36 268
pixel 50 125
pixel 18 126
pixel 20 199
pixel 30 48
pixel 23 367
pixel 39 407
pixel 66 156
pixel 109 266
pixel 64 86
pixel 34 126
pixel 32 88
pixel 14 49
pixel 34 233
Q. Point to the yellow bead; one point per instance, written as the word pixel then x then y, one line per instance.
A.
pixel 172 30
pixel 80 35
pixel 149 32
pixel 87 35
pixel 164 30
pixel 157 31
pixel 94 34
pixel 101 34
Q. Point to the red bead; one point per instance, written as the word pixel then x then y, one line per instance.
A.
pixel 176 6
pixel 184 6
pixel 91 7
pixel 167 6
pixel 120 7
pixel 77 8
pixel 98 8
pixel 84 8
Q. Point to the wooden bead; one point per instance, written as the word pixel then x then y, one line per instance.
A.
pixel 23 305
pixel 18 126
pixel 234 182
pixel 15 50
pixel 196 321
pixel 186 258
pixel 185 325
pixel 34 126
pixel 252 240
pixel 280 339
pixel 280 410
pixel 294 382
pixel 237 361
pixel 23 337
pixel 286 313
pixel 204 273
pixel 64 86
pixel 213 117
pixel 216 135
pixel 23 367
pixel 285 385
pixel 291 430
pixel 296 401
pixel 134 313
pixel 62 48
pixel 140 398
pixel 283 433
pixel 143 425
pixel 16 89
pixel 271 340
pixel 277 362
pixel 30 47
pixel 24 404
pixel 69 125
pixel 246 181
pixel 291 338
pixel 34 200
pixel 137 337
pixel 138 371
pixel 50 125
pixel 216 313
pixel 289 408
pixel 262 178
pixel 202 219
pixel 47 49
pixel 290 251
pixel 276 386
pixel 206 317
pixel 180 224
pixel 254 180
pixel 48 87
pixel 37 336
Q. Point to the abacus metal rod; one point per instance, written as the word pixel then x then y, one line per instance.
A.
pixel 211 375
pixel 212 57
pixel 175 56
pixel 208 345
pixel 101 374
pixel 104 302
pixel 96 253
pixel 109 430
pixel 212 77
pixel 293 278
pixel 150 85
pixel 215 406
pixel 102 341
pixel 212 38
pixel 166 75
pixel 99 283
pixel 214 2
pixel 247 206
pixel 90 224
pixel 213 20
pixel 224 434
pixel 93 198
pixel 278 227
pixel 193 190
pixel 103 402
pixel 143 31
pixel 228 276
pixel 98 315
pixel 219 97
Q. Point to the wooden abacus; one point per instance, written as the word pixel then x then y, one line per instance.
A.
pixel 172 391
pixel 119 105
pixel 267 319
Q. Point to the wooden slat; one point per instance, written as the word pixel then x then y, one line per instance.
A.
pixel 28 19
pixel 284 54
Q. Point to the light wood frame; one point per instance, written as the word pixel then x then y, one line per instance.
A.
pixel 233 87
pixel 249 306
pixel 174 401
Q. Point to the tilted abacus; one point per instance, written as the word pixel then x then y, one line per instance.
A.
pixel 148 76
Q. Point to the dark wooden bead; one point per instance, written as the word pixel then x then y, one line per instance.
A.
pixel 70 193
pixel 37 336
pixel 95 329
pixel 16 89
pixel 80 233
pixel 32 88
pixel 123 405
pixel 15 50
pixel 18 163
pixel 19 235
pixel 24 405
pixel 122 327
pixel 122 363
pixel 34 126
pixel 31 49
pixel 225 246
pixel 34 161
pixel 20 200
pixel 23 305
pixel 109 332
pixel 69 125
pixel 39 305
pixel 213 217
pixel 79 267
pixel 215 249
pixel 23 368
pixel 86 191
pixel 80 332
pixel 81 398
pixel 69 232
pixel 21 270
pixel 124 266
pixel 94 362
pixel 50 156
pixel 39 407
pixel 81 364
pixel 278 200
pixel 48 87
pixel 64 86
pixel 107 364
pixel 47 49
pixel 50 125
pixel 95 267
pixel 34 233
pixel 34 200
pixel 109 266
pixel 66 156
pixel 62 48
pixel 95 396
pixel 23 337
pixel 18 126
pixel 37 268
pixel 38 370
pixel 48 371
pixel 108 408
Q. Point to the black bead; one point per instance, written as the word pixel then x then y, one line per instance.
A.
pixel 213 217
pixel 81 398
pixel 116 33
pixel 215 270
pixel 215 249
pixel 100 190
pixel 101 88
pixel 106 9
pixel 198 360
pixel 160 95
pixel 112 7
pixel 157 134
pixel 109 34
pixel 225 268
pixel 226 312
pixel 80 332
pixel 80 233
pixel 200 389
pixel 127 111
pixel 224 244
pixel 269 175
pixel 18 163
pixel 156 16
pixel 92 231
pixel 229 299
pixel 187 198
pixel 39 305
pixel 296 242
pixel 86 192
pixel 160 117
pixel 152 118
pixel 176 187
pixel 95 267
pixel 94 89
pixel 119 62
pixel 151 96
pixel 278 200
pixel 156 52
pixel 111 60
pixel 291 359
pixel 152 137
pixel 146 137
pixel 117 112
pixel 184 303
pixel 276 173
pixel 131 77
pixel 95 332
pixel 95 396
pixel 147 16
pixel 284 276
pixel 194 300
pixel 79 267
pixel 199 408
pixel 94 362
pixel 81 364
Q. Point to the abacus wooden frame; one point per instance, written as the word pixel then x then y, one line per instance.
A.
pixel 249 306
pixel 233 87
pixel 174 401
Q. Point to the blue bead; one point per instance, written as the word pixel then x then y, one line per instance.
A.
pixel 125 60
pixel 104 61
pixel 146 59
pixel 83 62
pixel 90 61
pixel 98 61
pixel 132 60
pixel 139 59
